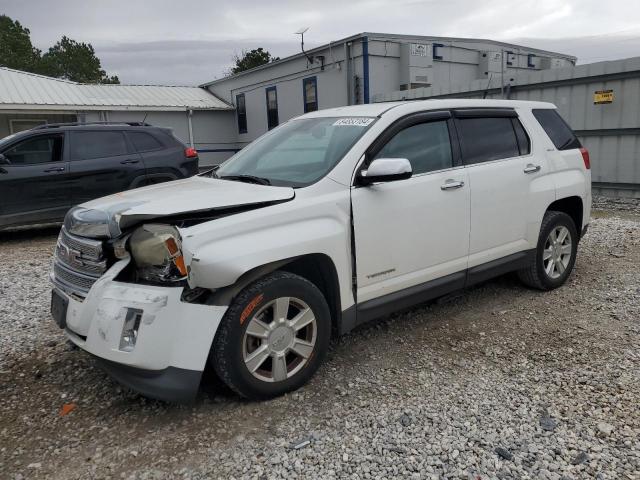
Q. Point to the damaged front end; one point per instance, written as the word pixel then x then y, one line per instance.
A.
pixel 132 314
pixel 146 336
pixel 120 281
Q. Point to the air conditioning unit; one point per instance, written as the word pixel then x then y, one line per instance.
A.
pixel 416 63
pixel 549 63
pixel 490 62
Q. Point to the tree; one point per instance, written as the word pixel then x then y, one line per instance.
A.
pixel 75 61
pixel 251 59
pixel 16 50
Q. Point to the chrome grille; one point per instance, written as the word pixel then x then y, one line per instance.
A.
pixel 86 246
pixel 69 278
pixel 77 263
pixel 75 260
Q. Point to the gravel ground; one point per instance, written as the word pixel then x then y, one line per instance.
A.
pixel 495 382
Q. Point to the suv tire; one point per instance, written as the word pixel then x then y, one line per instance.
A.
pixel 555 254
pixel 273 337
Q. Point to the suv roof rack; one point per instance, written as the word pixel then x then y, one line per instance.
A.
pixel 76 124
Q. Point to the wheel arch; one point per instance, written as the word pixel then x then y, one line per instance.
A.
pixel 572 206
pixel 318 268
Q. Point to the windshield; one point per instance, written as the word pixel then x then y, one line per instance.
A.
pixel 298 153
pixel 4 141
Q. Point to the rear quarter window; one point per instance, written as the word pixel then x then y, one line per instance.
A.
pixel 144 142
pixel 556 128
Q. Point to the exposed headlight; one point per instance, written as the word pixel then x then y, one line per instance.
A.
pixel 157 252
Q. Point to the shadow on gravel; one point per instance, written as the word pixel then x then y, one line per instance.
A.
pixel 29 233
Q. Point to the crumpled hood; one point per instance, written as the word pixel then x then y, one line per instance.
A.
pixel 195 194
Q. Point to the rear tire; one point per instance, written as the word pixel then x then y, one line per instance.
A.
pixel 273 337
pixel 555 253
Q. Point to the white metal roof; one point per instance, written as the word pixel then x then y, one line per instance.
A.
pixel 28 91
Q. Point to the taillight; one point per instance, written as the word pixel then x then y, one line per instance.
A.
pixel 190 152
pixel 585 157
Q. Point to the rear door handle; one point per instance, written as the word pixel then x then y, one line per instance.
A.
pixel 54 169
pixel 531 168
pixel 131 160
pixel 451 184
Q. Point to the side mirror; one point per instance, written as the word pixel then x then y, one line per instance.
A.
pixel 386 170
pixel 4 160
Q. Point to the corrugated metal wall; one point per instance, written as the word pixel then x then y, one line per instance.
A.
pixel 611 132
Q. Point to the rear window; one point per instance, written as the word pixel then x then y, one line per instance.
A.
pixel 88 145
pixel 487 139
pixel 144 142
pixel 557 129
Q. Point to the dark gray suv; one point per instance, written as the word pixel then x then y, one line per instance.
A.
pixel 48 169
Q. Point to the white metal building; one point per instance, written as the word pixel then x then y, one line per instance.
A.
pixel 355 69
pixel 608 126
pixel 196 116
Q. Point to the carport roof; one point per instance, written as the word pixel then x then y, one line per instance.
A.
pixel 28 91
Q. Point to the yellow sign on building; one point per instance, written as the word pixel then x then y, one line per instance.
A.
pixel 603 96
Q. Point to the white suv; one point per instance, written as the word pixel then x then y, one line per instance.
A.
pixel 328 221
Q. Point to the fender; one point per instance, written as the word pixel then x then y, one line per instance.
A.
pixel 575 182
pixel 219 253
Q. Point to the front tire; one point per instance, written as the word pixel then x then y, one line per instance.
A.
pixel 273 337
pixel 555 253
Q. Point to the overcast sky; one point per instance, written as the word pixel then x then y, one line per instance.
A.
pixel 188 42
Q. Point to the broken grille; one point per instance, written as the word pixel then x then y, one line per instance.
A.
pixel 77 263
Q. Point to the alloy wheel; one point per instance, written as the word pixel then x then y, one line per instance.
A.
pixel 557 252
pixel 280 339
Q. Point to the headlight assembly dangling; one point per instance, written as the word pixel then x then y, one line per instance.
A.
pixel 157 252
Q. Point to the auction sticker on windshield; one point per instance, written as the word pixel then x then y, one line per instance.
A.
pixel 354 121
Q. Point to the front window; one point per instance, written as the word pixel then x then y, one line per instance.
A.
pixel 298 153
pixel 37 150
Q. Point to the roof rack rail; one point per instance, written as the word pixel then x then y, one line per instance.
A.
pixel 75 124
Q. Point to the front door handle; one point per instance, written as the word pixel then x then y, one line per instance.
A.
pixel 131 160
pixel 54 169
pixel 451 184
pixel 531 168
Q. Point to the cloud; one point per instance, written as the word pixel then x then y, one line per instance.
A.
pixel 178 62
pixel 192 41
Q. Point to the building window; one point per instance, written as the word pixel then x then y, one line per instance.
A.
pixel 510 56
pixel 436 52
pixel 272 107
pixel 310 93
pixel 22 124
pixel 241 110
